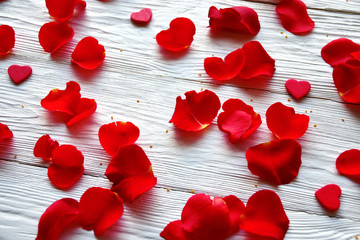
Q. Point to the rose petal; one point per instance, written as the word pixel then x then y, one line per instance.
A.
pixel 294 16
pixel 237 208
pixel 284 123
pixel 142 17
pixel 265 216
pixel 99 208
pixel 241 19
pixel 66 167
pixel 174 231
pixel 44 147
pixel 298 89
pixel 197 111
pixel 53 35
pixel 257 61
pixel 277 161
pixel 339 51
pixel 64 9
pixel 85 108
pixel 131 172
pixel 356 55
pixel 5 132
pixel 88 53
pixel 348 164
pixel 19 74
pixel 179 36
pixel 116 134
pixel 347 82
pixel 224 70
pixel 328 197
pixel 56 218
pixel 7 39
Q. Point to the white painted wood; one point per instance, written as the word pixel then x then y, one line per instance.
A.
pixel 206 161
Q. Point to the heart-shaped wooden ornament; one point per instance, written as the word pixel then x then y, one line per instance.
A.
pixel 328 196
pixel 298 89
pixel 19 73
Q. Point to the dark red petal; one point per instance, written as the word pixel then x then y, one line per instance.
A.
pixel 348 164
pixel 284 123
pixel 298 89
pixel 64 9
pixel 131 172
pixel 174 231
pixel 53 35
pixel 237 208
pixel 143 16
pixel 328 197
pixel 294 16
pixel 5 132
pixel 224 70
pixel 265 215
pixel 356 55
pixel 339 51
pixel 63 100
pixel 88 53
pixel 7 39
pixel 241 19
pixel 85 108
pixel 67 166
pixel 347 82
pixel 277 161
pixel 197 111
pixel 116 134
pixel 44 147
pixel 56 218
pixel 179 36
pixel 257 61
pixel 99 209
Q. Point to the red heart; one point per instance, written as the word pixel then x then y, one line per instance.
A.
pixel 144 16
pixel 298 89
pixel 328 196
pixel 19 73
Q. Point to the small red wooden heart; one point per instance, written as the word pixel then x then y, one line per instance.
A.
pixel 297 89
pixel 328 197
pixel 19 73
pixel 144 16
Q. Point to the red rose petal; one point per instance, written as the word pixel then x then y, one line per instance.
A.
pixel 238 120
pixel 179 36
pixel 19 73
pixel 5 132
pixel 237 208
pixel 56 218
pixel 224 70
pixel 44 147
pixel 348 164
pixel 143 16
pixel 85 108
pixel 174 231
pixel 64 9
pixel 88 53
pixel 53 35
pixel 294 16
pixel 131 172
pixel 116 134
pixel 99 208
pixel 356 55
pixel 7 39
pixel 257 61
pixel 241 19
pixel 284 123
pixel 298 89
pixel 328 197
pixel 63 100
pixel 277 161
pixel 347 81
pixel 339 51
pixel 265 216
pixel 197 111
pixel 66 167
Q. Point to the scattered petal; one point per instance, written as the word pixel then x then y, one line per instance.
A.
pixel 53 35
pixel 298 89
pixel 348 164
pixel 143 16
pixel 237 208
pixel 63 10
pixel 44 147
pixel 347 82
pixel 174 231
pixel 328 197
pixel 88 53
pixel 339 51
pixel 19 73
pixel 5 132
pixel 85 108
pixel 7 39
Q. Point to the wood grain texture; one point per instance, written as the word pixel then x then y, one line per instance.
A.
pixel 206 161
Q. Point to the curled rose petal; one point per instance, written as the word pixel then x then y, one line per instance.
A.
pixel 174 231
pixel 88 53
pixel 347 82
pixel 179 36
pixel 84 109
pixel 5 132
pixel 99 208
pixel 237 208
pixel 328 197
pixel 131 172
pixel 241 19
pixel 257 61
pixel 294 16
pixel 44 147
pixel 7 39
pixel 224 70
pixel 53 35
pixel 238 120
pixel 67 166
pixel 339 51
pixel 277 161
pixel 197 111
pixel 284 123
pixel 56 218
pixel 142 17
pixel 348 164
pixel 116 134
pixel 265 216
pixel 64 9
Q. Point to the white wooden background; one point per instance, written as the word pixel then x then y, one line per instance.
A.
pixel 204 162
